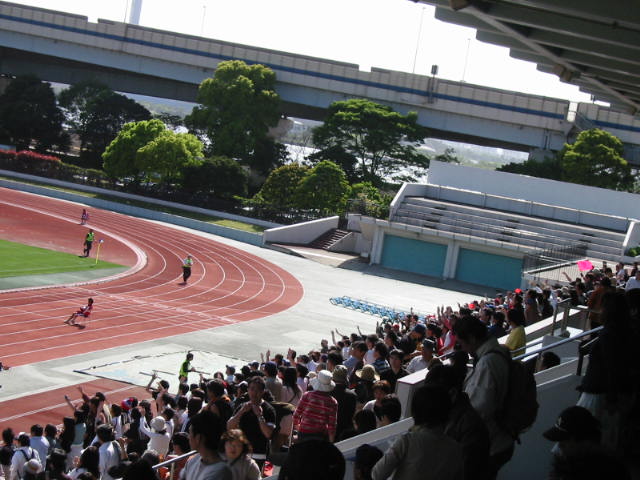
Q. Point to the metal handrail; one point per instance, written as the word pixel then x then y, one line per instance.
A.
pixel 539 352
pixel 582 351
pixel 171 463
pixel 563 304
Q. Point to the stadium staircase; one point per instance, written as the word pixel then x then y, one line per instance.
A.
pixel 328 239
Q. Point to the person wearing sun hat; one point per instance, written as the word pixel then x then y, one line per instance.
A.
pixel 316 414
pixel 575 427
pixel 159 438
pixel 366 377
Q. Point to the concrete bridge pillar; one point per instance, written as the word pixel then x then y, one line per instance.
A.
pixel 539 154
pixel 4 82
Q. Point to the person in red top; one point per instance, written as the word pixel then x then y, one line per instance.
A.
pixel 316 414
pixel 82 312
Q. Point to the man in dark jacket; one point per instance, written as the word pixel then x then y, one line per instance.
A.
pixel 346 399
pixel 396 371
pixel 465 425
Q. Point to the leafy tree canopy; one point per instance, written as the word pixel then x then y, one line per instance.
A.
pixel 338 155
pixel 448 156
pixel 268 155
pixel 120 157
pixel 324 188
pixel 29 113
pixel 221 176
pixel 594 159
pixel 381 140
pixel 168 154
pixel 550 167
pixel 368 200
pixel 96 114
pixel 281 186
pixel 237 107
pixel 171 120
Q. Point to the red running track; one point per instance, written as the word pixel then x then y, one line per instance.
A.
pixel 227 286
pixel 50 407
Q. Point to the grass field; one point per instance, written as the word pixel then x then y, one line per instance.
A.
pixel 18 260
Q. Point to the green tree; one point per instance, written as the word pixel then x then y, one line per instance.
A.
pixel 367 191
pixel 268 155
pixel 448 156
pixel 96 114
pixel 221 176
pixel 120 157
pixel 383 141
pixel 281 186
pixel 171 120
pixel 595 159
pixel 550 167
pixel 366 199
pixel 338 155
pixel 29 113
pixel 168 154
pixel 324 187
pixel 237 107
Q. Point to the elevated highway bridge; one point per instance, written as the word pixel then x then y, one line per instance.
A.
pixel 67 48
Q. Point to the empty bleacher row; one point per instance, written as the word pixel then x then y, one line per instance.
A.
pixel 519 231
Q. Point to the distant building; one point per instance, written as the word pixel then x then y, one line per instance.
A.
pixel 134 13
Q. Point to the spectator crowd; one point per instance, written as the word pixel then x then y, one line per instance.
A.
pixel 288 409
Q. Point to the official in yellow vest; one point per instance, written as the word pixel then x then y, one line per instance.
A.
pixel 88 242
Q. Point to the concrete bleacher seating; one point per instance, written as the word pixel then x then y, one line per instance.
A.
pixel 521 232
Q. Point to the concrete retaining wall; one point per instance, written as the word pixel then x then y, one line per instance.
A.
pixel 538 190
pixel 301 233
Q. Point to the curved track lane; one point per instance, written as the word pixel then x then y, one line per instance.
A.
pixel 228 285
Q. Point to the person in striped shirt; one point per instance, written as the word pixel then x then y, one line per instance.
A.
pixel 316 414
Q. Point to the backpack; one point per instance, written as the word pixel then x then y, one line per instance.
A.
pixel 34 476
pixel 30 476
pixel 520 407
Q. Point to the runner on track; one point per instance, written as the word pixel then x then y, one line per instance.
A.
pixel 82 312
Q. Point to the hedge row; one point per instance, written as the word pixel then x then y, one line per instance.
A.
pixel 48 166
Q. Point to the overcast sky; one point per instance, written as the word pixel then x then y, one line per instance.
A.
pixel 381 33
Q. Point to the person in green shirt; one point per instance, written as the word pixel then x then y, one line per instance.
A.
pixel 185 368
pixel 187 263
pixel 88 242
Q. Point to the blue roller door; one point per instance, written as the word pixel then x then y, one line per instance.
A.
pixel 488 269
pixel 412 255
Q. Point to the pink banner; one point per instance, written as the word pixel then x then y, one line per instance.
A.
pixel 585 265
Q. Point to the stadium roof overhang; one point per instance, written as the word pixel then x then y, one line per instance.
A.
pixel 589 43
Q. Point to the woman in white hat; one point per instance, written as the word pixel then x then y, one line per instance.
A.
pixel 159 438
pixel 316 414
